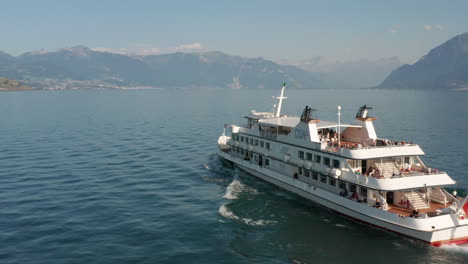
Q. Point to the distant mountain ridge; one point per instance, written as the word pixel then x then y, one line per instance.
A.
pixel 361 73
pixel 81 65
pixel 444 67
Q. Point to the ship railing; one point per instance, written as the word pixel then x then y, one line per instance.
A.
pixel 417 173
pixel 451 197
pixel 333 147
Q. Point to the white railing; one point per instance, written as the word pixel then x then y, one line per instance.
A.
pixel 438 196
pixel 381 200
pixel 452 199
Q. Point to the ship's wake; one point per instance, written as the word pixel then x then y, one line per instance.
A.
pixel 224 211
pixel 235 188
pixel 233 192
pixel 463 249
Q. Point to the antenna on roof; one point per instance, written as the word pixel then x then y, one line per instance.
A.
pixel 307 114
pixel 280 101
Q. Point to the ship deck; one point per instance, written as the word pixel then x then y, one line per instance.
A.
pixel 432 210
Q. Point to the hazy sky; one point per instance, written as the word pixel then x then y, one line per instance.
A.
pixel 275 30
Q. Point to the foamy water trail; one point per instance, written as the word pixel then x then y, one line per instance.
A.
pixel 342 226
pixel 456 248
pixel 224 211
pixel 236 187
pixel 233 189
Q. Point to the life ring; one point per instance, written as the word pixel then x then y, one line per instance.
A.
pixel 336 173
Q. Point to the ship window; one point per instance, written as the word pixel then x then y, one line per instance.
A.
pixel 251 141
pixel 309 156
pixel 256 142
pixel 336 163
pixel 267 162
pixel 262 144
pixel 323 178
pixel 342 185
pixel 267 145
pixel 242 139
pixel 318 158
pixel 326 161
pixel 333 181
pixel 314 175
pixel 246 140
pixel 363 192
pixel 353 188
pixel 301 154
pixel 301 171
pixel 251 154
pixel 307 173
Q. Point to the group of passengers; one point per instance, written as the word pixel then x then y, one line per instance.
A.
pixel 328 135
pixel 374 172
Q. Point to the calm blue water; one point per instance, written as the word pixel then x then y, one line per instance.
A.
pixel 106 176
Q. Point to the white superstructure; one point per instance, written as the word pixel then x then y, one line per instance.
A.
pixel 347 168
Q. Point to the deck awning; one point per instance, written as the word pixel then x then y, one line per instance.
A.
pixel 293 121
pixel 331 124
pixel 280 121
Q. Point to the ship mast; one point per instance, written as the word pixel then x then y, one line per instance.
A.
pixel 280 102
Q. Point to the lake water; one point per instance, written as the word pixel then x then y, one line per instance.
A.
pixel 113 176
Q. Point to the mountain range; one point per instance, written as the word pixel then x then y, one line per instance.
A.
pixel 81 66
pixel 444 67
pixel 360 73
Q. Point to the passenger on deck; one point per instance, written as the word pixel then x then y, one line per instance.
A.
pixel 415 213
pixel 377 173
pixel 377 204
pixel 355 197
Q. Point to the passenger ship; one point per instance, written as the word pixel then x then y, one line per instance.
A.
pixel 348 169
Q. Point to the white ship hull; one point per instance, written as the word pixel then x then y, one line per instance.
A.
pixel 444 229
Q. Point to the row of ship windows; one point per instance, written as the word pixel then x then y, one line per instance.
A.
pixel 301 154
pixel 309 173
pixel 251 141
pixel 318 159
pixel 332 181
pixel 249 155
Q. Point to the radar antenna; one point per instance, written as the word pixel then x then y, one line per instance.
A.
pixel 363 111
pixel 307 114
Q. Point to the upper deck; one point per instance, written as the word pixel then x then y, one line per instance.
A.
pixel 360 155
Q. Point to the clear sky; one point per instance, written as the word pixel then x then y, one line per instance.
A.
pixel 271 29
